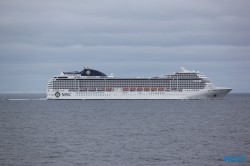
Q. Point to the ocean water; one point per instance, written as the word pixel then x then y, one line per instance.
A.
pixel 37 132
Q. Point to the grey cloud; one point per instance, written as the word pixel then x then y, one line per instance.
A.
pixel 43 37
pixel 125 22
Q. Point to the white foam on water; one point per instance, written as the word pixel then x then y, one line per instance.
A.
pixel 26 99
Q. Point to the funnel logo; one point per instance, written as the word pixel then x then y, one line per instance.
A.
pixel 57 94
pixel 88 72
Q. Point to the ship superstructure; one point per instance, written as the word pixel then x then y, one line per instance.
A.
pixel 93 84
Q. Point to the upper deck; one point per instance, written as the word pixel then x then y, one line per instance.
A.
pixel 91 74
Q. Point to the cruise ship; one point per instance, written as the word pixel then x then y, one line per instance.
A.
pixel 93 84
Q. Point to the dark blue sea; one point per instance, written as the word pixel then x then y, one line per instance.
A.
pixel 37 132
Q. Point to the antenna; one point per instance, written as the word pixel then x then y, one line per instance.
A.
pixel 86 67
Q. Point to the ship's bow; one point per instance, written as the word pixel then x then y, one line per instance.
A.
pixel 219 93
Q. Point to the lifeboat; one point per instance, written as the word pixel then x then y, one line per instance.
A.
pixel 100 89
pixel 153 89
pixel 109 88
pixel 92 89
pixel 83 89
pixel 139 89
pixel 146 89
pixel 132 89
pixel 125 88
pixel 160 89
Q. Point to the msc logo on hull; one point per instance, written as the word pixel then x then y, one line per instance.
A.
pixel 58 94
pixel 65 94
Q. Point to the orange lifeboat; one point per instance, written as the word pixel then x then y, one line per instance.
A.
pixel 132 88
pixel 139 89
pixel 146 89
pixel 125 88
pixel 160 89
pixel 154 89
pixel 109 88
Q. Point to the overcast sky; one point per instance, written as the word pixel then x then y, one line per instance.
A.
pixel 41 38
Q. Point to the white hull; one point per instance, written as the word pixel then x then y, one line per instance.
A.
pixel 218 93
pixel 93 84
